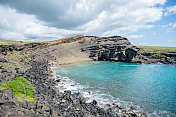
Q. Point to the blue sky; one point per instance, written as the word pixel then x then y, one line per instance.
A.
pixel 143 22
pixel 163 33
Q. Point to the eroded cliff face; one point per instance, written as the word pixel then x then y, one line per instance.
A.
pixel 114 48
pixel 87 48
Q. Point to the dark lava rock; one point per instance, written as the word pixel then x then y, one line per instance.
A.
pixel 94 102
pixel 20 71
pixel 115 48
pixel 58 80
pixel 3 70
pixel 3 60
pixel 50 103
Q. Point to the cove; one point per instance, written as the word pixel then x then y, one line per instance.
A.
pixel 151 86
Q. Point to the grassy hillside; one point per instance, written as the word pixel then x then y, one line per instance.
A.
pixel 10 42
pixel 157 49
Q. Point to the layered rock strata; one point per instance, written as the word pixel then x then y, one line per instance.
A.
pixel 114 48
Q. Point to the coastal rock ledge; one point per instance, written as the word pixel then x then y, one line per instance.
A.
pixel 115 48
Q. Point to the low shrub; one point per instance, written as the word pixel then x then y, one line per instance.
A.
pixel 21 87
pixel 158 55
pixel 23 56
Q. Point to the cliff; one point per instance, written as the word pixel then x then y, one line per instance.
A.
pixel 159 54
pixel 114 48
pixel 89 48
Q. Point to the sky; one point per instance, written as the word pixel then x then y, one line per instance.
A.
pixel 143 22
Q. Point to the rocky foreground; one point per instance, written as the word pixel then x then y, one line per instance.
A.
pixel 33 62
pixel 51 102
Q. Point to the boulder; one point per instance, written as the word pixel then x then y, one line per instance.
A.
pixel 58 80
pixel 20 71
pixel 3 60
pixel 3 70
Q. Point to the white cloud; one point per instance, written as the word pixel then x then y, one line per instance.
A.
pixel 18 26
pixel 170 27
pixel 143 44
pixel 171 40
pixel 174 25
pixel 170 10
pixel 123 19
pixel 135 36
pixel 58 19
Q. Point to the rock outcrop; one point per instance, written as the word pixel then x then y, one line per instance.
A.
pixel 165 58
pixel 87 48
pixel 9 48
pixel 114 48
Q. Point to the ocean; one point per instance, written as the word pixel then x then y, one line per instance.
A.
pixel 150 88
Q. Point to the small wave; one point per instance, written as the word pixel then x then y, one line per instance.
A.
pixel 91 93
pixel 162 114
pixel 102 99
pixel 67 84
pixel 129 65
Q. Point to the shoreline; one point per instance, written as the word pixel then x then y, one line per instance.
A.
pixel 68 83
pixel 123 109
pixel 61 65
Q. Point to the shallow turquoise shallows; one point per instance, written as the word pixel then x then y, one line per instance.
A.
pixel 151 86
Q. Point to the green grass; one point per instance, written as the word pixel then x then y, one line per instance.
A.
pixel 2 88
pixel 158 55
pixel 157 49
pixel 10 42
pixel 23 56
pixel 21 87
pixel 28 57
pixel 5 65
pixel 22 97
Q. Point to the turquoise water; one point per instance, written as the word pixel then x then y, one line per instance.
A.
pixel 151 86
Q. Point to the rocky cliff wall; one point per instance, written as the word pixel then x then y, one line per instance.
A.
pixel 114 48
pixel 87 48
pixel 164 58
pixel 9 48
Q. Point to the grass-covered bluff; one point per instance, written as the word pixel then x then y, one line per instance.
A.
pixel 21 87
pixel 157 51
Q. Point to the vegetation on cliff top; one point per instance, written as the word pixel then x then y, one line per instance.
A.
pixel 21 87
pixel 157 49
pixel 11 42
